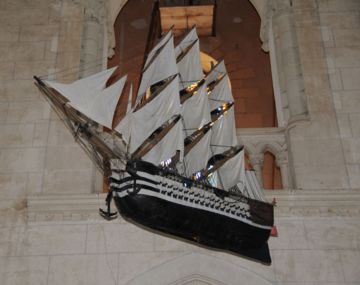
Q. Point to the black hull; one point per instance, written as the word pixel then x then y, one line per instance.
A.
pixel 145 202
pixel 197 226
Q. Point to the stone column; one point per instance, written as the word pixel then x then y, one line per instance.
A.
pixel 93 37
pixel 283 163
pixel 257 161
pixel 286 55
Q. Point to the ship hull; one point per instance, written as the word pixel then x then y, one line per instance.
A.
pixel 161 204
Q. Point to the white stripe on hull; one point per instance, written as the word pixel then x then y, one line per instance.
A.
pixel 178 189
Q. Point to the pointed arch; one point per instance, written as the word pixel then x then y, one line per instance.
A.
pixel 199 267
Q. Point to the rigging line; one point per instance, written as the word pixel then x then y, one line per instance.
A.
pixel 183 86
pixel 77 67
pixel 93 64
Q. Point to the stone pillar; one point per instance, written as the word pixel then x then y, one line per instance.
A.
pixel 93 37
pixel 283 163
pixel 286 55
pixel 257 161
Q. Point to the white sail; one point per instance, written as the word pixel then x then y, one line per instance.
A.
pixel 221 93
pixel 159 67
pixel 161 42
pixel 223 133
pixel 187 53
pixel 165 149
pixel 102 107
pixel 217 71
pixel 81 91
pixel 137 126
pixel 232 172
pixel 196 111
pixel 197 158
pixel 189 66
pixel 252 188
pixel 186 42
pixel 223 130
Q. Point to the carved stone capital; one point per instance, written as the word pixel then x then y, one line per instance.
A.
pixel 257 159
pixel 282 158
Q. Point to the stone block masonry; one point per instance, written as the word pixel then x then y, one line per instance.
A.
pixel 343 58
pixel 33 41
pixel 56 236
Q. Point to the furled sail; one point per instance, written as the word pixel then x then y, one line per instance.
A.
pixel 138 125
pixel 159 65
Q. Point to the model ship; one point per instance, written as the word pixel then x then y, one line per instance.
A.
pixel 173 162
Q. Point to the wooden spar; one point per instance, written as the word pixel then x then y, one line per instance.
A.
pixel 186 93
pixel 155 137
pixel 216 114
pixel 219 160
pixel 211 86
pixel 195 137
pixel 155 94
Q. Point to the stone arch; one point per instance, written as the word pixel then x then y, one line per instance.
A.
pixel 200 268
pixel 271 147
pixel 114 7
pixel 271 171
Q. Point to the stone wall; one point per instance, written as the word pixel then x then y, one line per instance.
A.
pixel 37 154
pixel 65 242
pixel 340 23
pixel 52 238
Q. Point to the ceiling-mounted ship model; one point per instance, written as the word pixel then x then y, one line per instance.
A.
pixel 173 162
